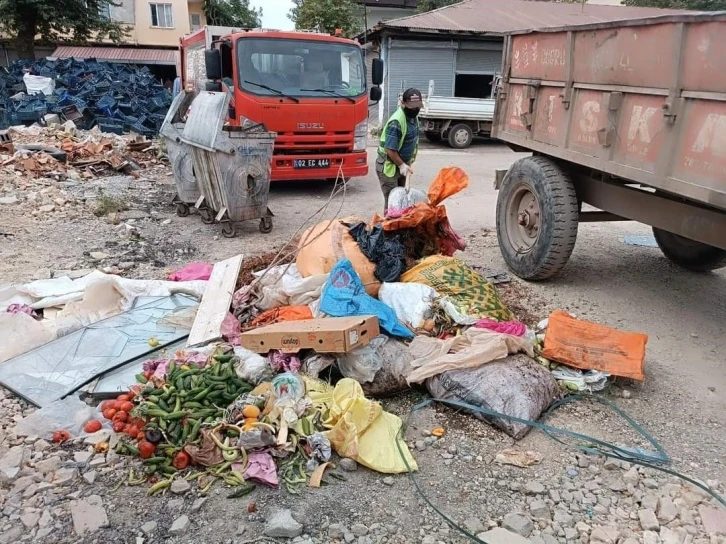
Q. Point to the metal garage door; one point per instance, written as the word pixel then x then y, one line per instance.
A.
pixel 479 58
pixel 414 64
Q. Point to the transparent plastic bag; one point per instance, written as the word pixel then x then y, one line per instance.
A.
pixel 70 414
pixel 364 362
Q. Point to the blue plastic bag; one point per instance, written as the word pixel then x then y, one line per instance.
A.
pixel 344 296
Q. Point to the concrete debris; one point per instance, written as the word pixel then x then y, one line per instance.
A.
pixel 88 515
pixel 180 526
pixel 281 524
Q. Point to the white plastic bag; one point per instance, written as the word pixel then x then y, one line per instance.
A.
pixel 364 362
pixel 284 286
pixel 39 84
pixel 70 414
pixel 412 302
pixel 252 367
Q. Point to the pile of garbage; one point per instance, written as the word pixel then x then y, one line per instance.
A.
pixel 265 382
pixel 117 98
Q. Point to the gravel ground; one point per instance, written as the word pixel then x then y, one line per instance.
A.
pixel 64 495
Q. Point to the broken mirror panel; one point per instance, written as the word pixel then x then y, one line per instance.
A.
pixel 51 371
pixel 119 380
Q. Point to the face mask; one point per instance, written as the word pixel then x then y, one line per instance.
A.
pixel 411 112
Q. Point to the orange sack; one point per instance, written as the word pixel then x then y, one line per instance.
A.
pixel 590 346
pixel 285 313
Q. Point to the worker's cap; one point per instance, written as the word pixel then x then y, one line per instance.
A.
pixel 412 97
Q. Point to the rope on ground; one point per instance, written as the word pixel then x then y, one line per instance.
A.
pixel 338 188
pixel 604 449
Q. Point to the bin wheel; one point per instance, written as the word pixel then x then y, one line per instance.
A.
pixel 207 216
pixel 229 230
pixel 266 225
pixel 182 210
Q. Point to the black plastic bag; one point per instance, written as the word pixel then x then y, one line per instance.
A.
pixel 386 251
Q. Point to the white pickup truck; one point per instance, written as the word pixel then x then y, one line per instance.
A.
pixel 457 120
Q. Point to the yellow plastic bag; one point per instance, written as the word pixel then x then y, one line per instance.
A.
pixel 469 292
pixel 359 428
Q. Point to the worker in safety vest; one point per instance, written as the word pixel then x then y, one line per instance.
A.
pixel 399 144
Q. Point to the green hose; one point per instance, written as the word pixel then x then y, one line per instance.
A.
pixel 604 449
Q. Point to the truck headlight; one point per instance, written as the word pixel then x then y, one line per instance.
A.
pixel 360 141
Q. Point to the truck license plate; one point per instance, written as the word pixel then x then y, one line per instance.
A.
pixel 311 163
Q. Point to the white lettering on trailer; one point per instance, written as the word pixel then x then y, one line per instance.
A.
pixel 589 122
pixel 639 124
pixel 712 136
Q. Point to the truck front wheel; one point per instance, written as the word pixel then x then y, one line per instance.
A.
pixel 537 217
pixel 688 253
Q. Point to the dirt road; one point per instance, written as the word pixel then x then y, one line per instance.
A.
pixel 682 402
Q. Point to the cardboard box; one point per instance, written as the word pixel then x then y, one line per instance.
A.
pixel 325 335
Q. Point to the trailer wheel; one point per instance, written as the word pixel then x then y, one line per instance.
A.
pixel 537 216
pixel 433 137
pixel 461 136
pixel 688 253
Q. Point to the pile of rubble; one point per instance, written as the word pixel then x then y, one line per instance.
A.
pixel 116 97
pixel 43 165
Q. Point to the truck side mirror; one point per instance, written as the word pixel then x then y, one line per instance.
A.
pixel 377 72
pixel 213 64
pixel 376 94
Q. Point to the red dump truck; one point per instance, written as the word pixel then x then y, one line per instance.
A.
pixel 628 117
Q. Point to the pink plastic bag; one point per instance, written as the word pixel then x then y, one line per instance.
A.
pixel 231 330
pixel 261 469
pixel 191 272
pixel 513 328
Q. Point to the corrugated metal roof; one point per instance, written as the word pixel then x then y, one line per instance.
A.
pixel 502 16
pixel 118 54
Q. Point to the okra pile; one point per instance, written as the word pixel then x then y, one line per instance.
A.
pixel 169 413
pixel 190 398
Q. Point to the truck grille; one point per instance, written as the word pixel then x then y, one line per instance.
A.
pixel 306 143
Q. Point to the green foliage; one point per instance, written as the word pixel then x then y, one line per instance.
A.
pixel 327 16
pixel 71 21
pixel 232 13
pixel 428 5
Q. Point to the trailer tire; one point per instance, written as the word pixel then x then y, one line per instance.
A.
pixel 689 254
pixel 433 137
pixel 537 218
pixel 460 136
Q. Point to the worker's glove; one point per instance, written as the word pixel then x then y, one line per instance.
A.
pixel 405 170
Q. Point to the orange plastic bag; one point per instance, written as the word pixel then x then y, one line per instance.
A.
pixel 285 313
pixel 429 218
pixel 590 346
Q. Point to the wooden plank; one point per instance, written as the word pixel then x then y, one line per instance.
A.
pixel 216 301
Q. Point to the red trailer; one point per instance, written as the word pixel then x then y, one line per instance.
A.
pixel 628 117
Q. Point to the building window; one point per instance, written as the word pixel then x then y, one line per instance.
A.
pixel 161 16
pixel 195 20
pixel 104 11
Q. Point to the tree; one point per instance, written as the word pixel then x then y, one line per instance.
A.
pixel 327 16
pixel 73 21
pixel 695 5
pixel 422 6
pixel 232 13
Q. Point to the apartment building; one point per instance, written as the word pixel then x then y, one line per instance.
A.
pixel 153 31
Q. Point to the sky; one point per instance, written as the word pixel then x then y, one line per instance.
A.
pixel 274 14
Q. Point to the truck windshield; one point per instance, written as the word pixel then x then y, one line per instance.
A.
pixel 301 68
